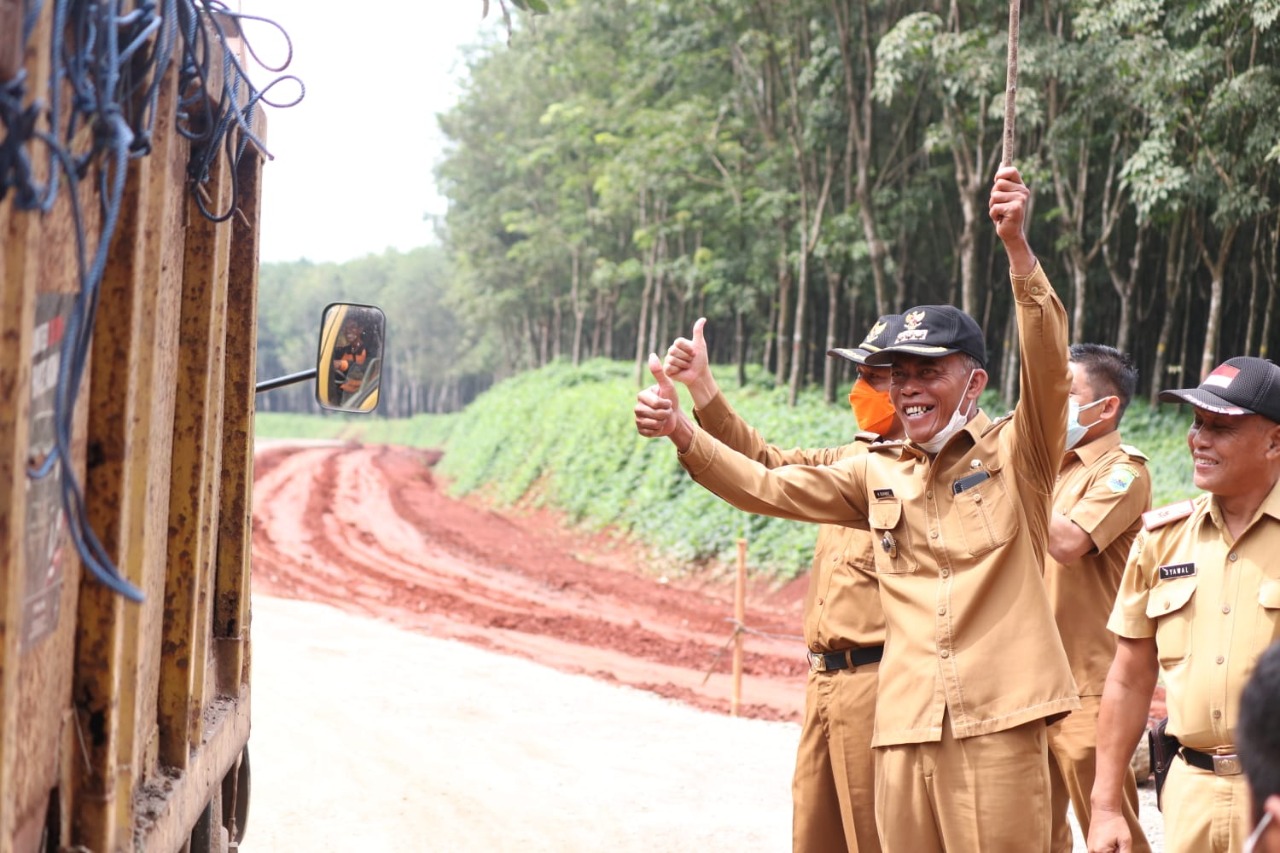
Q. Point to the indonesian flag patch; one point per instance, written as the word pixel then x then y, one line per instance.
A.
pixel 1222 376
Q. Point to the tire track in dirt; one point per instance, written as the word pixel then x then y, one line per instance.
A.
pixel 366 529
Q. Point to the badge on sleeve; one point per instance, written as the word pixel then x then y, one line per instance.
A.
pixel 1121 478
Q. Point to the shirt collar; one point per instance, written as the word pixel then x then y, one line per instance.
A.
pixel 1271 503
pixel 1096 449
pixel 1270 506
pixel 977 425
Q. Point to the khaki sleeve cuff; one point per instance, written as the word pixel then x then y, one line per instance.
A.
pixel 714 413
pixel 1130 626
pixel 700 453
pixel 1093 518
pixel 1033 288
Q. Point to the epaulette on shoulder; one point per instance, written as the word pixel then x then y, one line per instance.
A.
pixel 1134 452
pixel 866 436
pixel 886 443
pixel 1151 519
pixel 995 422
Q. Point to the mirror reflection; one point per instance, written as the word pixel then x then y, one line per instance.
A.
pixel 349 363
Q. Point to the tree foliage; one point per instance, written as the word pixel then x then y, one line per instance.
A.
pixel 595 468
pixel 791 168
pixel 437 360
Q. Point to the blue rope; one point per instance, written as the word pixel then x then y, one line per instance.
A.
pixel 113 64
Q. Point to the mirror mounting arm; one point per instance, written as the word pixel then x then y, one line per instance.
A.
pixel 281 381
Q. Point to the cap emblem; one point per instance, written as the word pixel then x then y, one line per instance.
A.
pixel 1221 376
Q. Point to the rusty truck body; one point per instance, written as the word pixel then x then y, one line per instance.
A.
pixel 124 705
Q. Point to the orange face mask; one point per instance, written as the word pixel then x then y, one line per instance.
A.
pixel 872 408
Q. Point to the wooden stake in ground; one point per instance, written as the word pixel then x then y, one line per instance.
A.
pixel 739 615
pixel 1011 84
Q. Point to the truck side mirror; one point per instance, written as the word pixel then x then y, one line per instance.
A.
pixel 350 357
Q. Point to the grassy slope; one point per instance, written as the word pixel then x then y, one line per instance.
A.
pixel 565 437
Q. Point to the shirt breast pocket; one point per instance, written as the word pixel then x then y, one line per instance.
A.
pixel 987 515
pixel 1269 614
pixel 891 541
pixel 1170 605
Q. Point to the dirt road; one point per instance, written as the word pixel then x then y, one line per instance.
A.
pixel 422 729
pixel 416 730
pixel 365 529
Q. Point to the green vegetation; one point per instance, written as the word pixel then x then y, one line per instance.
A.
pixel 564 437
pixel 791 169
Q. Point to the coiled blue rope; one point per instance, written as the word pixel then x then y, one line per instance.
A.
pixel 113 62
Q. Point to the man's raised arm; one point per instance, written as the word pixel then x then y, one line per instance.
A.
pixel 817 494
pixel 1044 378
pixel 687 363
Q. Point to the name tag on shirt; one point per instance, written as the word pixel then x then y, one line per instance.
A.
pixel 1177 570
pixel 881 494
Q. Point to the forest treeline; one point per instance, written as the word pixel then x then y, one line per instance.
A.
pixel 562 436
pixel 793 168
pixel 433 362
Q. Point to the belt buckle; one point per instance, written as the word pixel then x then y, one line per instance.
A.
pixel 817 662
pixel 1227 765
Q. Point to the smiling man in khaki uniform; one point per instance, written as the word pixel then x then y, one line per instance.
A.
pixel 1102 491
pixel 1259 736
pixel 973 667
pixel 1199 602
pixel 833 790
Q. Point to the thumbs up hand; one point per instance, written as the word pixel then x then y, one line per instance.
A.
pixel 657 409
pixel 687 359
pixel 687 364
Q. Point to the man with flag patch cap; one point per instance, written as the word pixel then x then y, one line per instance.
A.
pixel 833 789
pixel 973 669
pixel 1103 488
pixel 1198 603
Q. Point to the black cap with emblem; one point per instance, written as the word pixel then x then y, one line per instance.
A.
pixel 1239 386
pixel 934 331
pixel 882 333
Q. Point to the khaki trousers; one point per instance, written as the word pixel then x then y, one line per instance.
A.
pixel 1204 813
pixel 1073 752
pixel 833 791
pixel 982 794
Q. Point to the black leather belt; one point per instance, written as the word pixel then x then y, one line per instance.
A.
pixel 1220 765
pixel 848 659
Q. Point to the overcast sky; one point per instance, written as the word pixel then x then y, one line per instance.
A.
pixel 352 173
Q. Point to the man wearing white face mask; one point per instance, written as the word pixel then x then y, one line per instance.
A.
pixel 973 668
pixel 1103 489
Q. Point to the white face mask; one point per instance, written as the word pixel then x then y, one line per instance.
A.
pixel 957 422
pixel 1251 842
pixel 1075 431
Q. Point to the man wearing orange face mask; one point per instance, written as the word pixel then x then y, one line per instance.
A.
pixel 833 790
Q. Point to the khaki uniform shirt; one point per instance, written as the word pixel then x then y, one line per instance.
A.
pixel 842 603
pixel 1104 488
pixel 1213 606
pixel 970 631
